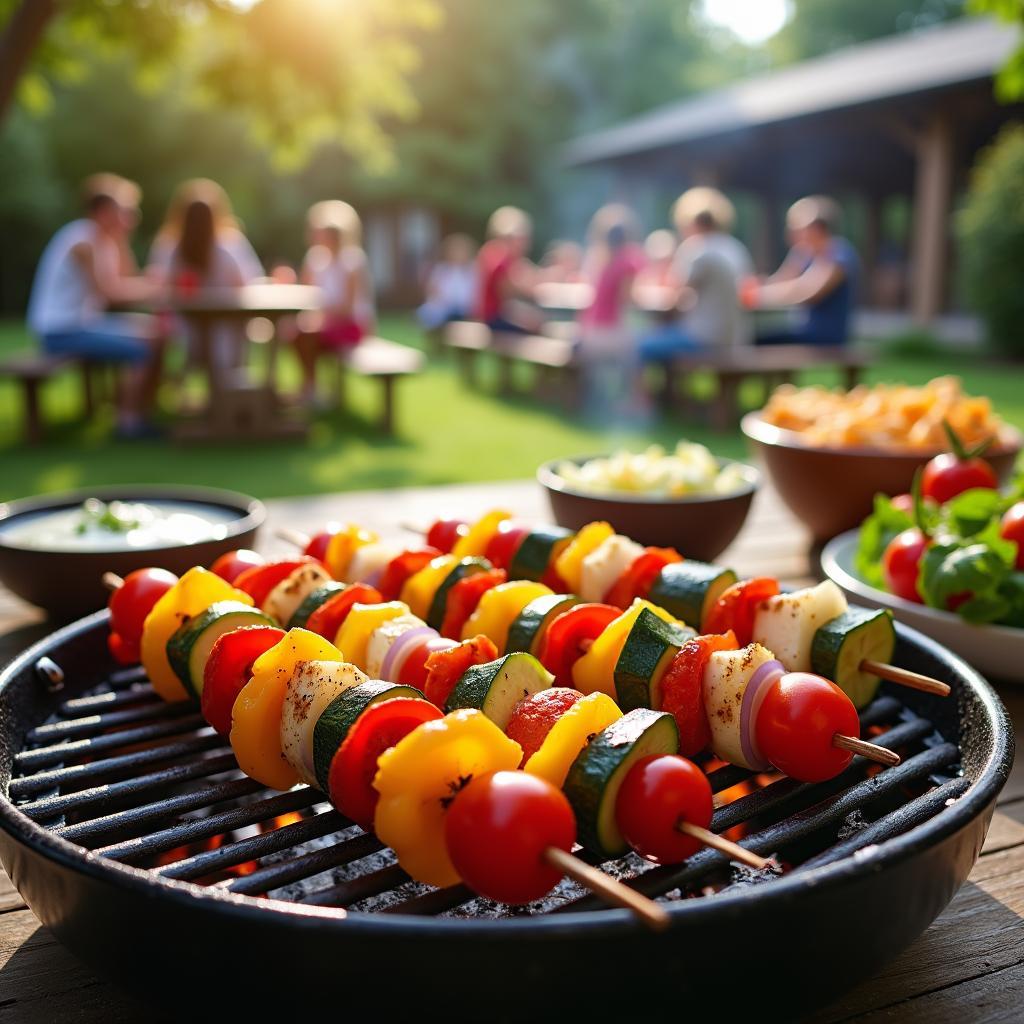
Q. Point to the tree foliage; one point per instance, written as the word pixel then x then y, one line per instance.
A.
pixel 1010 80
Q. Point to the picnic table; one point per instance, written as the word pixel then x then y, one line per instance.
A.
pixel 968 966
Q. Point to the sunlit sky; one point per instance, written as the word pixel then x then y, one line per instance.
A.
pixel 753 21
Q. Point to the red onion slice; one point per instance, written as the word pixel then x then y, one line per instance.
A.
pixel 753 697
pixel 402 648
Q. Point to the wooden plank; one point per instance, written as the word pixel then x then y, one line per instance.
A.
pixel 10 898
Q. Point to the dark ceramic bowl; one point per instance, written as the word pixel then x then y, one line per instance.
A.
pixel 832 489
pixel 68 583
pixel 701 526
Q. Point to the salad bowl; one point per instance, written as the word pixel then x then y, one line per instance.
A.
pixel 996 651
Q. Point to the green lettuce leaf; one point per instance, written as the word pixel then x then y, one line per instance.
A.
pixel 970 512
pixel 976 571
pixel 884 523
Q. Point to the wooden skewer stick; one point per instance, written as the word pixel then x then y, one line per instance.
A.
pixel 112 581
pixel 732 850
pixel 872 751
pixel 611 890
pixel 905 677
pixel 413 528
pixel 300 540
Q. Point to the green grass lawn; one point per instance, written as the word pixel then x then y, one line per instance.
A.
pixel 446 433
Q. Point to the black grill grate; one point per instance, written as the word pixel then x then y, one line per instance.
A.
pixel 135 780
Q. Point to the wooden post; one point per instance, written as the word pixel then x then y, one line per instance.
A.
pixel 871 249
pixel 766 238
pixel 932 194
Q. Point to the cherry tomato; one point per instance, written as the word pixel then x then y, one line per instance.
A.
pixel 463 598
pixel 498 829
pixel 501 548
pixel 568 638
pixel 232 564
pixel 637 579
pixel 401 567
pixel 327 619
pixel 534 716
pixel 660 792
pixel 228 669
pixel 681 692
pixel 445 532
pixel 317 544
pixel 800 715
pixel 737 606
pixel 947 475
pixel 124 652
pixel 445 668
pixel 260 580
pixel 134 599
pixel 1013 529
pixel 901 562
pixel 378 728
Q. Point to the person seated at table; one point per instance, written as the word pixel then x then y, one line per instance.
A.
pixel 817 279
pixel 86 269
pixel 451 284
pixel 505 277
pixel 337 265
pixel 562 263
pixel 227 229
pixel 707 268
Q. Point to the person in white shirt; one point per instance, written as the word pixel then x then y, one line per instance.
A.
pixel 84 270
pixel 708 268
pixel 451 284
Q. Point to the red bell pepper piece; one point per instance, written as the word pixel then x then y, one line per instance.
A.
pixel 637 579
pixel 737 606
pixel 445 668
pixel 401 567
pixel 228 669
pixel 569 637
pixel 445 532
pixel 501 548
pixel 463 598
pixel 327 619
pixel 260 580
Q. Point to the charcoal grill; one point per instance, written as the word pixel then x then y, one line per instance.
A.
pixel 128 829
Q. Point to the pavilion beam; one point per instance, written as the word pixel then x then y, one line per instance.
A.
pixel 933 190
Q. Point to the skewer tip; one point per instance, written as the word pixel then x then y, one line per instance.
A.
pixel 112 581
pixel 904 677
pixel 732 850
pixel 872 751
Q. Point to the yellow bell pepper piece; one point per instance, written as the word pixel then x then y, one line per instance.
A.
pixel 419 589
pixel 498 609
pixel 480 533
pixel 570 734
pixel 342 546
pixel 354 633
pixel 569 564
pixel 256 715
pixel 596 669
pixel 418 777
pixel 192 594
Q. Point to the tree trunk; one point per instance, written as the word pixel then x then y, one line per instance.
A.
pixel 17 43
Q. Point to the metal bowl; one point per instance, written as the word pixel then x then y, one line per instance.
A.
pixel 68 583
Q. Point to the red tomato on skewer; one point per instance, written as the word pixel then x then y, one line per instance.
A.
pixel 129 605
pixel 232 564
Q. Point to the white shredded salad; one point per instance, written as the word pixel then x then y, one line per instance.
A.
pixel 689 470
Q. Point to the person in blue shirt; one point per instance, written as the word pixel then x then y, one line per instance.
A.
pixel 817 280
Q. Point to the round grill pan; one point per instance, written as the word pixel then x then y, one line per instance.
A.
pixel 130 833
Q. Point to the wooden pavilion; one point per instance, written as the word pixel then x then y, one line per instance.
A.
pixel 903 117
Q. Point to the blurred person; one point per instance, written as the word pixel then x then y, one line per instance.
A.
pixel 707 270
pixel 85 269
pixel 337 265
pixel 659 253
pixel 227 229
pixel 451 284
pixel 505 277
pixel 562 263
pixel 817 279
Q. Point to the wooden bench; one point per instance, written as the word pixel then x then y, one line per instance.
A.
pixel 382 360
pixel 30 370
pixel 772 364
pixel 553 358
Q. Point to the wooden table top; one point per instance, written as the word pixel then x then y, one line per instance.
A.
pixel 248 301
pixel 967 967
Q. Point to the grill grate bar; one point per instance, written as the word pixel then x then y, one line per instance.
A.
pixel 58 753
pixel 122 824
pixel 355 889
pixel 881 709
pixel 105 796
pixel 275 875
pixel 92 724
pixel 110 699
pixel 195 829
pixel 437 901
pixel 901 820
pixel 255 847
pixel 29 785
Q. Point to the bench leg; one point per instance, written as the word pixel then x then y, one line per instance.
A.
pixel 851 376
pixel 89 388
pixel 33 419
pixel 467 365
pixel 724 408
pixel 387 417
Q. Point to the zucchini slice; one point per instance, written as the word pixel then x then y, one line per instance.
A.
pixel 537 550
pixel 189 646
pixel 312 601
pixel 468 566
pixel 496 687
pixel 339 716
pixel 597 774
pixel 844 642
pixel 651 645
pixel 528 628
pixel 689 589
